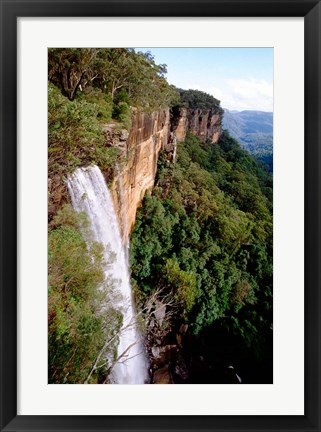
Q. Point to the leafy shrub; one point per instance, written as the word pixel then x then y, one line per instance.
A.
pixel 73 131
pixel 75 135
pixel 102 102
pixel 183 285
pixel 122 112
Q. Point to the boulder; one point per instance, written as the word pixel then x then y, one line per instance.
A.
pixel 156 351
pixel 160 311
pixel 163 355
pixel 124 135
pixel 162 376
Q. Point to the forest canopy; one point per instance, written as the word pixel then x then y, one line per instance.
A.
pixel 206 233
pixel 196 99
pixel 121 73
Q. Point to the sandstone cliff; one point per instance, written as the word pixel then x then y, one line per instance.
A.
pixel 149 134
pixel 206 124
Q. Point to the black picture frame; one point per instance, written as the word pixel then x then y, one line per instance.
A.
pixel 10 11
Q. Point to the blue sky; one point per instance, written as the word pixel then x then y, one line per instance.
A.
pixel 241 78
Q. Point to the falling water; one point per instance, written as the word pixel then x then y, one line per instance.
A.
pixel 89 193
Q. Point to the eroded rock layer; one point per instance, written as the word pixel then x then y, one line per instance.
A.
pixel 205 124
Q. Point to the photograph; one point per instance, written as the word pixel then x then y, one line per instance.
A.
pixel 160 215
pixel 160 201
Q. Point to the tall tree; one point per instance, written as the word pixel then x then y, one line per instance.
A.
pixel 68 66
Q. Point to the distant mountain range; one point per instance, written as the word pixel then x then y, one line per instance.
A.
pixel 254 131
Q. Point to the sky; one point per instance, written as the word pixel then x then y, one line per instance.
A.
pixel 241 78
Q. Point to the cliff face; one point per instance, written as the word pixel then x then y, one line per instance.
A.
pixel 206 124
pixel 149 134
pixel 179 123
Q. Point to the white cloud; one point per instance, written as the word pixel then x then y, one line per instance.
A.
pixel 250 94
pixel 217 93
pixel 241 94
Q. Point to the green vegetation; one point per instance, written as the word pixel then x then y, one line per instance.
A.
pixel 90 87
pixel 75 134
pixel 83 327
pixel 205 235
pixel 198 100
pixel 111 70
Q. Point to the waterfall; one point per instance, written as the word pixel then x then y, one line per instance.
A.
pixel 89 193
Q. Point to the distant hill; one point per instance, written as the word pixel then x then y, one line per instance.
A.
pixel 254 131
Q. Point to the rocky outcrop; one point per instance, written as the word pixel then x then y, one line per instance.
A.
pixel 163 376
pixel 167 362
pixel 205 124
pixel 149 134
pixel 179 122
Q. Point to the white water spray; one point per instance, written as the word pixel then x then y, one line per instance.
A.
pixel 89 193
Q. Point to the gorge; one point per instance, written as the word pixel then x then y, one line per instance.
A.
pixel 88 192
pixel 159 230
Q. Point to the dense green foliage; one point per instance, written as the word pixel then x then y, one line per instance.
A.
pixel 111 70
pixel 75 135
pixel 198 100
pixel 205 234
pixel 80 315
